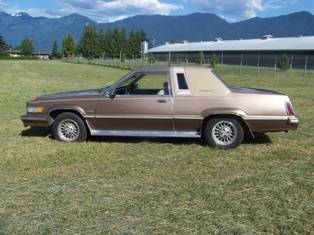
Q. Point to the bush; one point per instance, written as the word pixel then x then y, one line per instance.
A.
pixel 151 59
pixel 123 57
pixel 213 60
pixel 284 63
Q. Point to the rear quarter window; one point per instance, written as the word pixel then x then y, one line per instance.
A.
pixel 182 81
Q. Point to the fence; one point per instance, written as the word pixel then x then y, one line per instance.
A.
pixel 116 63
pixel 297 61
pixel 221 68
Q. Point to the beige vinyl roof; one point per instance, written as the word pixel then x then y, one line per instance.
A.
pixel 269 44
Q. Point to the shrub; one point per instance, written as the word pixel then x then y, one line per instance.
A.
pixel 151 59
pixel 213 60
pixel 200 58
pixel 283 63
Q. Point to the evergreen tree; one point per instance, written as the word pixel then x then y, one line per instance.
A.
pixel 119 41
pixel 54 50
pixel 111 44
pixel 108 44
pixel 26 47
pixel 68 46
pixel 3 45
pixel 90 43
pixel 283 63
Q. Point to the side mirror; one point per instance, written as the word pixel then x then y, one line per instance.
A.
pixel 110 94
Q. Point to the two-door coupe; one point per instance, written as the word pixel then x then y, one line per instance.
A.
pixel 189 102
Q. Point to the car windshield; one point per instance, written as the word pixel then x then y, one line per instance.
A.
pixel 126 75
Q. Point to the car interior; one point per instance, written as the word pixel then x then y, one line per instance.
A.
pixel 145 84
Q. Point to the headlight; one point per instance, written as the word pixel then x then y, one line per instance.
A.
pixel 35 109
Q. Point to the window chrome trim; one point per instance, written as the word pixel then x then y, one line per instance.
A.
pixel 180 92
pixel 132 74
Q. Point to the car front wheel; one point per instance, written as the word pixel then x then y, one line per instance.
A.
pixel 69 127
pixel 224 133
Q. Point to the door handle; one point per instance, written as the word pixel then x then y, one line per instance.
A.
pixel 162 101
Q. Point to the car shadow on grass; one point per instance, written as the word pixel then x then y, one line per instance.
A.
pixel 260 138
pixel 36 132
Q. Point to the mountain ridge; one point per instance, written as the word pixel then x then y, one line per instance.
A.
pixel 192 27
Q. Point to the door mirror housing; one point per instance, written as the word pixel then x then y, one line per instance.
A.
pixel 111 94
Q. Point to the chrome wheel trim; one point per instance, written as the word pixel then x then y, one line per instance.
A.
pixel 224 133
pixel 68 130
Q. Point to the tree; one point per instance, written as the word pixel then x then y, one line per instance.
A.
pixel 151 59
pixel 110 43
pixel 283 63
pixel 200 58
pixel 3 44
pixel 89 45
pixel 26 47
pixel 54 50
pixel 120 41
pixel 3 47
pixel 134 42
pixel 213 60
pixel 68 46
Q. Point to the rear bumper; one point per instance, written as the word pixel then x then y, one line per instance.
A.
pixel 273 124
pixel 294 121
pixel 35 120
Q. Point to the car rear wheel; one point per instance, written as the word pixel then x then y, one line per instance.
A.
pixel 69 127
pixel 224 133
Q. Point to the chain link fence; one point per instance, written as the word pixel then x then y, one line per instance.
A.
pixel 236 64
pixel 300 61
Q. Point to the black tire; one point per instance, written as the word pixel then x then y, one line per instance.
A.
pixel 77 123
pixel 214 136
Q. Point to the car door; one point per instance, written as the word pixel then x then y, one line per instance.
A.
pixel 144 102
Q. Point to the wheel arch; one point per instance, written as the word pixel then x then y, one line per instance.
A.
pixel 55 112
pixel 246 128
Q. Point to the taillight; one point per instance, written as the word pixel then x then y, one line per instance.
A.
pixel 289 109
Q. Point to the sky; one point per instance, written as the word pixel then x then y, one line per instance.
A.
pixel 112 10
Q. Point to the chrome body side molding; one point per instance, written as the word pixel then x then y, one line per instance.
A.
pixel 128 133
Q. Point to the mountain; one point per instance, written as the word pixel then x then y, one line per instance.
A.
pixel 42 30
pixel 193 27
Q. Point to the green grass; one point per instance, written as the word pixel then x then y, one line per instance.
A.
pixel 145 186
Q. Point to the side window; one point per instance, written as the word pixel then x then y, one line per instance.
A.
pixel 182 81
pixel 146 84
pixel 182 84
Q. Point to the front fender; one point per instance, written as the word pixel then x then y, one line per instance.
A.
pixel 66 107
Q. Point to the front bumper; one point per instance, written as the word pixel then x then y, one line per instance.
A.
pixel 36 120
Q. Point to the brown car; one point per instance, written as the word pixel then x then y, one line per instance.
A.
pixel 164 102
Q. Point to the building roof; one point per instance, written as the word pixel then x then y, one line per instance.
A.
pixel 268 44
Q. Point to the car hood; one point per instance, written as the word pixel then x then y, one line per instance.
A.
pixel 71 95
pixel 253 91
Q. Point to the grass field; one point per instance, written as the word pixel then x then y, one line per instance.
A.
pixel 150 186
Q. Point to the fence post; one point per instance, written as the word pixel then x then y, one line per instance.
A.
pixel 258 58
pixel 305 66
pixel 241 63
pixel 222 62
pixel 291 64
pixel 275 66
